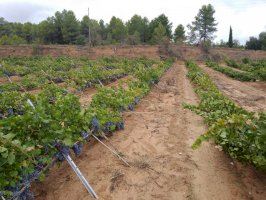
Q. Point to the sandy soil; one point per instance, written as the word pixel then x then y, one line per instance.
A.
pixel 156 141
pixel 251 96
pixel 14 79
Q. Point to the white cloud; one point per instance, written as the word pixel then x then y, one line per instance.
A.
pixel 247 17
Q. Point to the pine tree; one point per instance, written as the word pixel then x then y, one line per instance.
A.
pixel 230 40
pixel 179 34
pixel 159 34
pixel 204 26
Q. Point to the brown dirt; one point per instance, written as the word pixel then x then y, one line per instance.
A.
pixel 251 96
pixel 14 79
pixel 156 141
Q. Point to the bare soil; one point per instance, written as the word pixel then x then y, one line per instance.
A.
pixel 249 95
pixel 14 79
pixel 156 141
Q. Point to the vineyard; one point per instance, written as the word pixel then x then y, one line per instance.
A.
pixel 31 132
pixel 240 133
pixel 246 70
pixel 42 119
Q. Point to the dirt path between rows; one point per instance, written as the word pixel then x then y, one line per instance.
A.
pixel 156 141
pixel 251 96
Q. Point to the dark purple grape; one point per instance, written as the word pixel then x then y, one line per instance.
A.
pixel 131 107
pixel 107 127
pixel 10 111
pixel 85 135
pixel 26 195
pixel 77 148
pixel 120 125
pixel 136 100
pixel 59 156
pixel 20 112
pixel 95 125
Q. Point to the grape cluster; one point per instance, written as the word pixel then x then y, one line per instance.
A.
pixel 84 135
pixel 136 100
pixel 10 112
pixel 120 125
pixel 77 148
pixel 131 107
pixel 26 195
pixel 95 124
pixel 108 127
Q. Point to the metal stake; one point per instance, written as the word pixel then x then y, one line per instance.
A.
pixel 81 177
pixel 100 82
pixel 31 104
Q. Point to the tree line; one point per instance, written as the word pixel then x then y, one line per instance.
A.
pixel 65 28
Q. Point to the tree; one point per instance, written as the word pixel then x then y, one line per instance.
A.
pixel 5 27
pixel 262 39
pixel 236 43
pixel 179 34
pixel 95 30
pixel 117 30
pixel 70 27
pixel 164 21
pixel 46 31
pixel 140 25
pixel 103 30
pixel 11 40
pixel 57 20
pixel 28 32
pixel 85 26
pixel 230 40
pixel 134 39
pixel 253 43
pixel 204 26
pixel 159 34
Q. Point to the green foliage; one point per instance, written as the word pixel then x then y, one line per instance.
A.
pixel 117 30
pixel 11 40
pixel 138 27
pixel 91 28
pixel 230 40
pixel 204 25
pixel 255 67
pixel 159 34
pixel 179 34
pixel 164 21
pixel 253 43
pixel 241 76
pixel 262 38
pixel 134 39
pixel 27 134
pixel 240 133
pixel 37 71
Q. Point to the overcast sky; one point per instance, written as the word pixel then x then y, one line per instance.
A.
pixel 247 17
